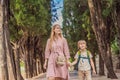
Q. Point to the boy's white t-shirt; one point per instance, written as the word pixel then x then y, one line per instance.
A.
pixel 84 64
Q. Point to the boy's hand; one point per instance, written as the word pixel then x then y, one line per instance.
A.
pixel 71 64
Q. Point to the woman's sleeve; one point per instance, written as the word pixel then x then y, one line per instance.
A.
pixel 66 49
pixel 47 49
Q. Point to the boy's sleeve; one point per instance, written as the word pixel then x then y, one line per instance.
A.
pixel 90 55
pixel 76 56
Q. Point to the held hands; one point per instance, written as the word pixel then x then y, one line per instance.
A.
pixel 69 63
pixel 70 66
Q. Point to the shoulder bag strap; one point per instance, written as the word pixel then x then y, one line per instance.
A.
pixel 78 56
pixel 88 56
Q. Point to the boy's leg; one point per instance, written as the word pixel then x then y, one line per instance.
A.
pixel 81 75
pixel 88 75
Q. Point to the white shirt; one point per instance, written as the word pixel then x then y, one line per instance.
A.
pixel 83 64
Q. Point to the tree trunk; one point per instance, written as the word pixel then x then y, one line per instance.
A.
pixel 118 30
pixel 32 55
pixel 3 56
pixel 94 60
pixel 101 66
pixel 102 36
pixel 10 56
pixel 118 63
pixel 27 64
pixel 118 20
pixel 29 58
pixel 17 62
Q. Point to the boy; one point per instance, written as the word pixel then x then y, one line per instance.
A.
pixel 84 59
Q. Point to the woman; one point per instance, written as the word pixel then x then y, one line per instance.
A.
pixel 56 45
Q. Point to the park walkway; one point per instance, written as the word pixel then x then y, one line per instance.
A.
pixel 73 76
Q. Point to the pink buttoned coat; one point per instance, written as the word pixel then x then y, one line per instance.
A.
pixel 60 47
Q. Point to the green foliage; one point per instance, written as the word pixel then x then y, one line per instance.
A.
pixel 77 24
pixel 22 64
pixel 106 12
pixel 87 23
pixel 30 16
pixel 15 31
pixel 114 47
pixel 107 7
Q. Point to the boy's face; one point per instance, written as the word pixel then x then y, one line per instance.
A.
pixel 82 46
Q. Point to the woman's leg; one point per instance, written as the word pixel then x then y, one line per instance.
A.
pixel 51 78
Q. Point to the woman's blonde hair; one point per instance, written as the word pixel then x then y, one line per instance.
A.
pixel 52 36
pixel 80 42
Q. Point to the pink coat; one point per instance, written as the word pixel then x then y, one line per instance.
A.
pixel 61 47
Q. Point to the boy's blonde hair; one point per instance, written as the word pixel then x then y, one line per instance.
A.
pixel 80 42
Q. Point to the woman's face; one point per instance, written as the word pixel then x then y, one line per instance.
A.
pixel 57 29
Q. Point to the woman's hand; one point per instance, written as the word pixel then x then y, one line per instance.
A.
pixel 45 65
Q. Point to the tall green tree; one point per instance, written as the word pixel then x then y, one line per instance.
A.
pixel 116 19
pixel 7 71
pixel 76 23
pixel 102 35
pixel 30 25
pixel 3 55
